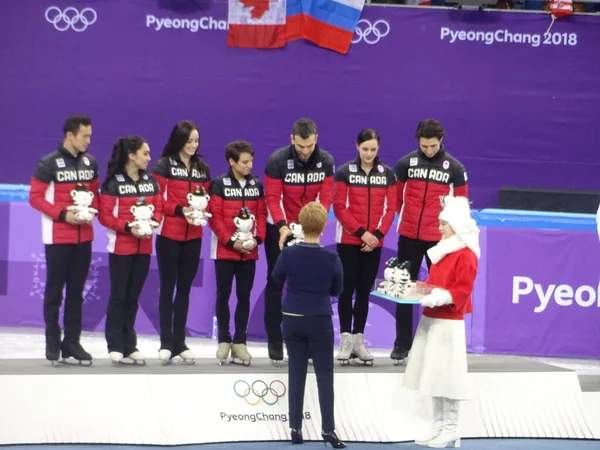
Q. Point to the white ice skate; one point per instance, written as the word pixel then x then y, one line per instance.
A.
pixel 187 357
pixel 134 359
pixel 116 357
pixel 223 352
pixel 345 352
pixel 240 354
pixel 359 349
pixel 165 356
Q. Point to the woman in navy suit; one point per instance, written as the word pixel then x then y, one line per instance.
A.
pixel 313 275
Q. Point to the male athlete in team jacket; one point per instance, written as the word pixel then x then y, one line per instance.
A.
pixel 294 176
pixel 68 241
pixel 235 198
pixel 422 177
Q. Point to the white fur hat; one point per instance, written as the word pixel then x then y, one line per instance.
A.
pixel 457 212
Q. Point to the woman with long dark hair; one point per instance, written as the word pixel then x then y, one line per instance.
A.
pixel 364 199
pixel 180 171
pixel 127 188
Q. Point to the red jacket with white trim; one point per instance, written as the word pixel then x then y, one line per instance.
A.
pixel 455 273
pixel 176 182
pixel 227 198
pixel 291 183
pixel 56 176
pixel 420 182
pixel 116 201
pixel 363 202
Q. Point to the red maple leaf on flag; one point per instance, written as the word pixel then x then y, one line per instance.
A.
pixel 259 7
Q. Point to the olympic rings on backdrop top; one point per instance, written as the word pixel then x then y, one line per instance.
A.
pixel 71 18
pixel 253 394
pixel 371 33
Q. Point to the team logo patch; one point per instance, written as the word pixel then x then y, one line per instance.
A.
pixel 290 163
pixel 252 182
pixel 86 160
pixel 380 168
pixel 145 177
pixel 446 165
pixel 61 163
pixel 353 168
pixel 319 165
pixel 465 175
pixel 414 161
pixel 172 161
pixel 227 181
pixel 120 178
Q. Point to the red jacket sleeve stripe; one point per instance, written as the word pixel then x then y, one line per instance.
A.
pixel 273 193
pixel 340 210
pixel 37 199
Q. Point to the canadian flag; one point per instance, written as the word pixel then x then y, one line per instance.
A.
pixel 257 23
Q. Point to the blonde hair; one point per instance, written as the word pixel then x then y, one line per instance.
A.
pixel 313 218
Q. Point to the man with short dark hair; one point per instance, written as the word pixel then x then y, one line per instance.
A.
pixel 61 179
pixel 423 176
pixel 294 176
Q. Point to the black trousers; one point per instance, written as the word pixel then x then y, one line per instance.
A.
pixel 411 250
pixel 243 272
pixel 66 264
pixel 273 290
pixel 312 335
pixel 360 271
pixel 127 277
pixel 177 266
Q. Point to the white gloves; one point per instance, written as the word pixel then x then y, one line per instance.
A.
pixel 438 297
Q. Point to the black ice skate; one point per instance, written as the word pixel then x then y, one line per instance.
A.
pixel 74 351
pixel 53 351
pixel 276 353
pixel 398 354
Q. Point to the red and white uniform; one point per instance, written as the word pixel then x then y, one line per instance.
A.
pixel 227 198
pixel 176 182
pixel 420 182
pixel 363 202
pixel 56 176
pixel 291 183
pixel 116 200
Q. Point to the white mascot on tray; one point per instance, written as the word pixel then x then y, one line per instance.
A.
pixel 142 214
pixel 198 201
pixel 244 222
pixel 82 203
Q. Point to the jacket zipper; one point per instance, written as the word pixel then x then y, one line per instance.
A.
pixel 137 191
pixel 187 225
pixel 424 201
pixel 243 206
pixel 369 202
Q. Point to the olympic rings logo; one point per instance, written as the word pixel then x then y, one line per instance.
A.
pixel 364 30
pixel 71 18
pixel 259 390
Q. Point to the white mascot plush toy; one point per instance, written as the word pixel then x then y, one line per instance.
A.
pixel 198 201
pixel 244 223
pixel 297 234
pixel 82 203
pixel 142 213
pixel 385 287
pixel 401 279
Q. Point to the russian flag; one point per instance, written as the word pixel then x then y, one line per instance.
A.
pixel 327 23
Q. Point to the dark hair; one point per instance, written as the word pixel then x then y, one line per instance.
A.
pixel 75 121
pixel 366 134
pixel 304 128
pixel 120 155
pixel 429 129
pixel 177 140
pixel 236 148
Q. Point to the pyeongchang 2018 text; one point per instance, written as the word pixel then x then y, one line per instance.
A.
pixel 535 40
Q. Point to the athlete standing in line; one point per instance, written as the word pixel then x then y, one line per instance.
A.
pixel 67 238
pixel 295 175
pixel 422 176
pixel 180 171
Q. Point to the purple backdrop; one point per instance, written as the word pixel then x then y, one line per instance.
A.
pixel 514 112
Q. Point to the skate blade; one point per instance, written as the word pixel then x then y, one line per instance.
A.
pixel 344 362
pixel 188 362
pixel 277 363
pixel 223 362
pixel 167 362
pixel 397 362
pixel 240 362
pixel 131 362
pixel 361 362
pixel 70 361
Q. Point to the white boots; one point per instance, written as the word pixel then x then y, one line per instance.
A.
pixel 444 431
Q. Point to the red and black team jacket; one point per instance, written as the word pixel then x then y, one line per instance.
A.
pixel 291 183
pixel 56 175
pixel 176 182
pixel 227 198
pixel 421 181
pixel 116 200
pixel 363 202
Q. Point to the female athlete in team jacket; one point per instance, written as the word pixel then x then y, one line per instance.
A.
pixel 127 186
pixel 437 362
pixel 364 199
